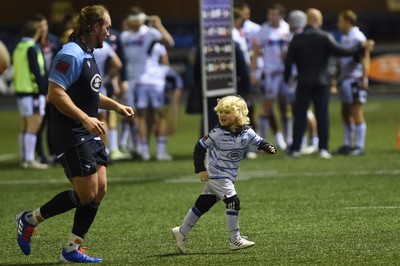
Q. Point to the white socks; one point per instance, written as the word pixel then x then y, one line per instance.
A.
pixel 190 220
pixel 287 125
pixel 145 148
pixel 28 144
pixel 348 130
pixel 34 217
pixel 73 243
pixel 361 132
pixel 232 221
pixel 263 126
pixel 113 139
pixel 162 145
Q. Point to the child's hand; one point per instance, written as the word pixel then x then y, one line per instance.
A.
pixel 271 149
pixel 204 177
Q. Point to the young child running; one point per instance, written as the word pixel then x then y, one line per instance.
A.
pixel 227 143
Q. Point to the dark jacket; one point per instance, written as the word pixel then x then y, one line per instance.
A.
pixel 310 51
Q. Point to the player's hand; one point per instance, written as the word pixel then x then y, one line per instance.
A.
pixel 126 111
pixel 369 44
pixel 333 90
pixel 271 149
pixel 204 177
pixel 156 21
pixel 94 126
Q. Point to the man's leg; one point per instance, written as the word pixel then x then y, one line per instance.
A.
pixel 303 97
pixel 320 98
pixel 360 129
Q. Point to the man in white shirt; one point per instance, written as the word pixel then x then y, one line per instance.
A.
pixel 353 75
pixel 272 40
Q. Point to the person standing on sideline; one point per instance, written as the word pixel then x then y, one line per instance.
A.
pixel 4 58
pixel 30 87
pixel 272 41
pixel 310 52
pixel 353 77
pixel 74 85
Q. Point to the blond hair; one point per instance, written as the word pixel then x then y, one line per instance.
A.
pixel 237 106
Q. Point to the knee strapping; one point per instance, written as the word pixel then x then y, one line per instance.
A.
pixel 205 202
pixel 233 203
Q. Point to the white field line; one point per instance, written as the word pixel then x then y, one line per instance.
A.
pixel 243 176
pixel 371 207
pixel 6 157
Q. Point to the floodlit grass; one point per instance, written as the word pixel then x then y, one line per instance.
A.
pixel 297 211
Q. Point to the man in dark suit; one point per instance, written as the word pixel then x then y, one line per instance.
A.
pixel 310 51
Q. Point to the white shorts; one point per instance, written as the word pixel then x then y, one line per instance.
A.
pixel 222 188
pixel 274 86
pixel 351 92
pixel 30 105
pixel 149 95
pixel 129 96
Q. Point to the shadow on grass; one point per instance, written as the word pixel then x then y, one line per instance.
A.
pixel 30 264
pixel 176 254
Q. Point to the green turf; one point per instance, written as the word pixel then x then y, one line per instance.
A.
pixel 295 210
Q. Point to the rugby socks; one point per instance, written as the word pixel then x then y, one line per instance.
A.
pixel 73 243
pixel 232 220
pixel 361 132
pixel 190 220
pixel 162 145
pixel 29 141
pixel 304 142
pixel 84 217
pixel 125 134
pixel 263 125
pixel 348 130
pixel 145 148
pixel 34 217
pixel 62 202
pixel 315 142
pixel 113 139
pixel 288 130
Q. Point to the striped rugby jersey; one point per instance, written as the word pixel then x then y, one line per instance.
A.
pixel 227 150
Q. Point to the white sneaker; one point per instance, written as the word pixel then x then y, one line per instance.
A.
pixel 251 155
pixel 146 157
pixel 241 243
pixel 280 141
pixel 116 155
pixel 164 157
pixel 324 154
pixel 181 240
pixel 34 165
pixel 308 150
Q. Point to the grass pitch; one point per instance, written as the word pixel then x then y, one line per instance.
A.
pixel 343 211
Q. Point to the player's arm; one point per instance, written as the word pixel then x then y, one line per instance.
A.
pixel 199 155
pixel 110 104
pixel 365 62
pixel 164 32
pixel 35 70
pixel 253 61
pixel 289 60
pixel 61 100
pixel 115 66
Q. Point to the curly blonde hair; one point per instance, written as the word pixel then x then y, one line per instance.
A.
pixel 234 104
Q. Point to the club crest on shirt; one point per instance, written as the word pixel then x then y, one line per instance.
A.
pixel 234 155
pixel 95 83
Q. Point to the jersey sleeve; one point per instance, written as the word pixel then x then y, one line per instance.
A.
pixel 65 70
pixel 209 140
pixel 155 34
pixel 255 139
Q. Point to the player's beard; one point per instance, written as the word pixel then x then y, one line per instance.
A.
pixel 99 42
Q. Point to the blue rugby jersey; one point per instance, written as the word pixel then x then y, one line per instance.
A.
pixel 74 68
pixel 227 150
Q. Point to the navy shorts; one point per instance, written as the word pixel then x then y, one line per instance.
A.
pixel 82 160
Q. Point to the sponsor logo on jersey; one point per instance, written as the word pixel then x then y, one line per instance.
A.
pixel 95 83
pixel 234 155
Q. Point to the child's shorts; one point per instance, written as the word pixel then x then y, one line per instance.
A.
pixel 222 188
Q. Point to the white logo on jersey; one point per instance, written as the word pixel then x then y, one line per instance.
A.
pixel 88 63
pixel 95 83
